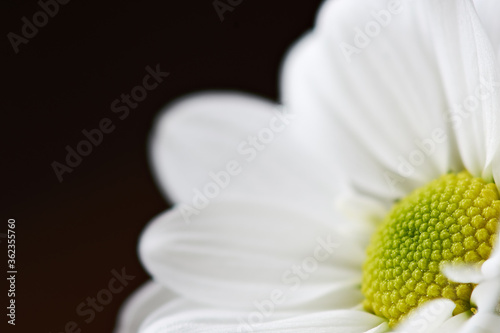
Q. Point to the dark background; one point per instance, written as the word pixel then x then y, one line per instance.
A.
pixel 70 235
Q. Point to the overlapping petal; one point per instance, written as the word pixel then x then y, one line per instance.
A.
pixel 195 134
pixel 200 139
pixel 470 77
pixel 379 84
pixel 230 321
pixel 488 14
pixel 430 317
pixel 144 301
pixel 237 254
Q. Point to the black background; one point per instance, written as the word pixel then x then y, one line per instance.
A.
pixel 70 235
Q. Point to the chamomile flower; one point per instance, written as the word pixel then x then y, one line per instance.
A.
pixel 368 203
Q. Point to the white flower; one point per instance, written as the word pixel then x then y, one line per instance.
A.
pixel 274 211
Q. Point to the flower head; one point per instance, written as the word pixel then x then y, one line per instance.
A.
pixel 367 204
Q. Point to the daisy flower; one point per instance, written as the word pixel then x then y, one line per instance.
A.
pixel 366 203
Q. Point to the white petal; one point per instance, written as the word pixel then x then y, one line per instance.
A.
pixel 491 267
pixel 488 13
pixel 496 170
pixel 463 273
pixel 482 322
pixel 364 214
pixel 148 298
pixel 238 254
pixel 345 321
pixel 486 296
pixel 186 316
pixel 428 317
pixel 183 314
pixel 384 109
pixel 198 139
pixel 470 77
pixel 454 324
pixel 215 321
pixel 198 133
pixel 375 107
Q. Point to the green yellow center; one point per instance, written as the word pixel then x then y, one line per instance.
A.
pixel 452 219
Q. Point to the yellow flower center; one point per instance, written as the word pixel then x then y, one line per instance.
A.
pixel 452 219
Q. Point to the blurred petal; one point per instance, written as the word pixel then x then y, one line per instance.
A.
pixel 238 254
pixel 345 321
pixel 145 300
pixel 200 137
pixel 216 321
pixel 197 133
pixel 185 314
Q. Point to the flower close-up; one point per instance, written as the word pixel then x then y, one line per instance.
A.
pixel 364 201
